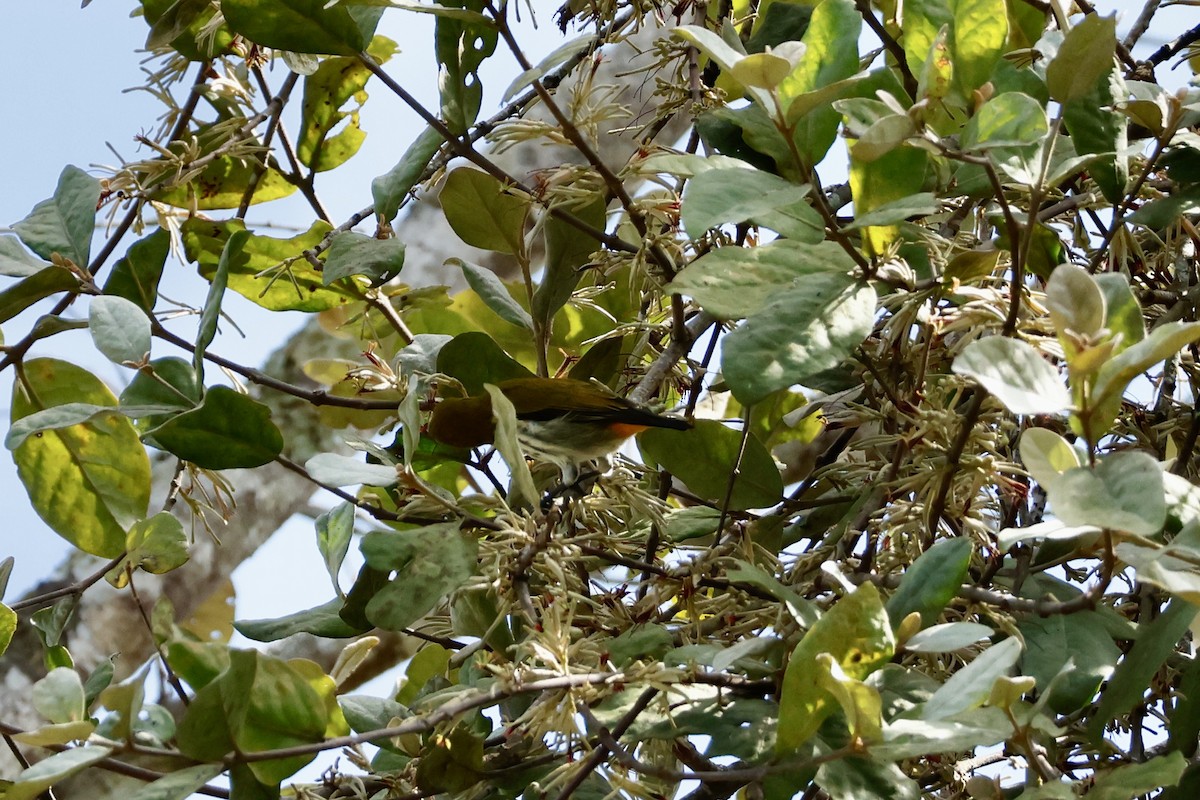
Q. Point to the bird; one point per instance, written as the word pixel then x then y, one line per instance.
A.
pixel 563 421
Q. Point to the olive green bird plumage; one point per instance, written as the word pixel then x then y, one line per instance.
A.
pixel 563 421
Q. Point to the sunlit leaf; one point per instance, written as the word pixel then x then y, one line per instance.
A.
pixel 88 481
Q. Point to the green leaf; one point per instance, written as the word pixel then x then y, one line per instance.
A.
pixel 49 622
pixel 31 782
pixel 1096 127
pixel 38 286
pixel 1079 647
pixel 270 272
pixel 567 251
pixel 946 637
pixel 1184 719
pixel 1084 58
pixel 157 545
pixel 1123 492
pixel 706 459
pixel 334 531
pixel 521 492
pixel 59 696
pixel 882 180
pixel 323 621
pixel 862 777
pixel 462 43
pixel 227 431
pixel 831 55
pixel 178 785
pixel 1155 643
pixel 353 253
pixel 8 626
pixel 559 55
pixel 721 196
pixel 922 21
pixel 270 704
pixel 15 260
pixel 734 282
pixel 978 37
pixel 882 137
pixel 1123 314
pixel 1075 301
pixel 1010 128
pixel 168 384
pixel 391 188
pixel 475 359
pixel 909 738
pixel 931 582
pixel 337 81
pixel 1015 373
pixel 804 612
pixel 334 469
pixel 722 53
pixel 211 314
pixel 184 25
pixel 89 481
pixel 857 634
pixel 1046 455
pixel 761 70
pixel 64 224
pixel 482 213
pixel 972 685
pixel 1135 780
pixel 861 704
pixel 120 329
pixel 302 26
pixel 135 277
pixel 54 418
pixel 493 293
pixel 650 642
pixel 225 179
pixel 1162 343
pixel 429 563
pixel 800 333
pixel 916 205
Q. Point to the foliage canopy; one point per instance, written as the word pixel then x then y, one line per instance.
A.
pixel 938 511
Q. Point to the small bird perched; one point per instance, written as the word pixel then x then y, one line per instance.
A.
pixel 560 420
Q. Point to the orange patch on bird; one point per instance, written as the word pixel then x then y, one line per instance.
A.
pixel 626 429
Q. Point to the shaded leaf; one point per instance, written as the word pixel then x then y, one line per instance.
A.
pixel 303 26
pixel 706 457
pixel 135 277
pixel 39 286
pixel 227 431
pixel 1084 58
pixel 972 685
pixel 429 563
pixel 721 196
pixel 931 582
pixel 493 293
pixel 322 620
pixel 352 253
pixel 800 333
pixel 389 189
